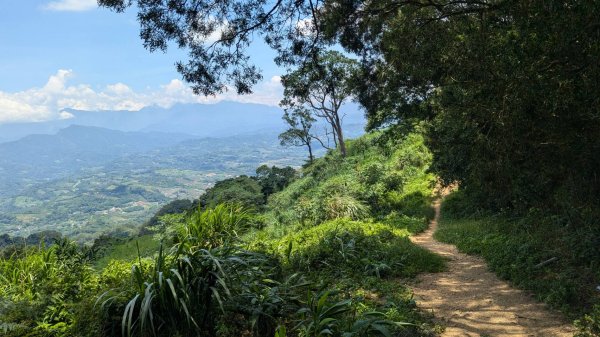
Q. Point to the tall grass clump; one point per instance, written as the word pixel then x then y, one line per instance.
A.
pixel 43 290
pixel 207 285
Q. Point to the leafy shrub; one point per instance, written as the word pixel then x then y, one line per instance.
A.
pixel 352 247
pixel 274 179
pixel 42 287
pixel 371 173
pixel 241 190
pixel 413 225
pixel 320 317
pixel 589 325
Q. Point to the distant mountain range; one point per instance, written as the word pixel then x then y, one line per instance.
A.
pixel 47 157
pixel 202 120
pixel 54 149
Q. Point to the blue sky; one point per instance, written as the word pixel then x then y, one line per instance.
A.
pixel 57 54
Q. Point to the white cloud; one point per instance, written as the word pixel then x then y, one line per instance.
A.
pixel 49 101
pixel 71 5
pixel 276 80
pixel 65 115
pixel 175 86
pixel 119 89
pixel 56 83
pixel 20 110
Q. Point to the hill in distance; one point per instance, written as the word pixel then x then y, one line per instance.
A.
pixel 44 157
pixel 222 119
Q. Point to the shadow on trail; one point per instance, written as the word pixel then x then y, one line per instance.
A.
pixel 471 301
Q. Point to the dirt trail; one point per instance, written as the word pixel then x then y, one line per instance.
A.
pixel 471 301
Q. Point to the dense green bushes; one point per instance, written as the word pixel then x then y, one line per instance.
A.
pixel 43 289
pixel 242 190
pixel 343 248
pixel 250 192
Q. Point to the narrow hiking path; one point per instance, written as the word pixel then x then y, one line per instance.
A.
pixel 472 301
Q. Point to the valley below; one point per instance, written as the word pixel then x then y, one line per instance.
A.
pixel 82 179
pixel 123 193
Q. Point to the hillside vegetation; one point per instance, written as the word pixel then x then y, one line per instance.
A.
pixel 318 254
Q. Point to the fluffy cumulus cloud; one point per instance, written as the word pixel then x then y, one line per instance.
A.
pixel 49 101
pixel 71 5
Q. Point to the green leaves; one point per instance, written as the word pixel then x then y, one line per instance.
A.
pixel 213 227
pixel 243 190
pixel 320 317
pixel 317 91
pixel 373 323
pixel 41 288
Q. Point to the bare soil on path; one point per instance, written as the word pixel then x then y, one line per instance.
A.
pixel 471 301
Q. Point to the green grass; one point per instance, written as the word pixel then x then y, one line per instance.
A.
pixel 148 246
pixel 348 248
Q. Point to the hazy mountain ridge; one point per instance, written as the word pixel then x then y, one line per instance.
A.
pixel 43 157
pixel 203 120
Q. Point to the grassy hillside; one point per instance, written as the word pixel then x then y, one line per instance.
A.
pixel 324 256
pixel 380 180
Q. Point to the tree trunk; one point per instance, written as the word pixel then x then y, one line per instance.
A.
pixel 342 144
pixel 310 154
pixel 340 135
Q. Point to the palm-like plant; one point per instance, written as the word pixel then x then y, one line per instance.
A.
pixel 320 317
pixel 178 294
pixel 184 290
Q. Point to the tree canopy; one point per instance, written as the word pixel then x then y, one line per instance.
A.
pixel 509 89
pixel 320 89
pixel 242 190
pixel 274 179
pixel 506 88
pixel 217 33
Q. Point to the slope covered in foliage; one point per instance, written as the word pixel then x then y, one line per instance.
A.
pixel 323 256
